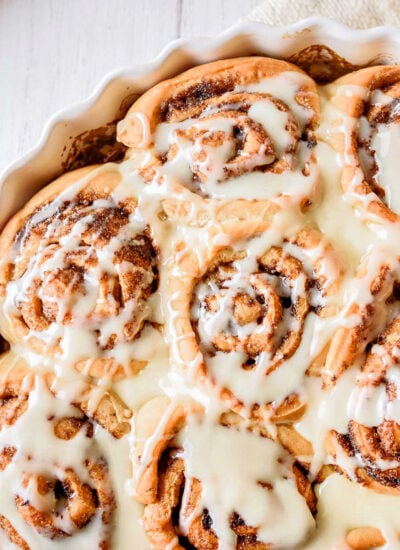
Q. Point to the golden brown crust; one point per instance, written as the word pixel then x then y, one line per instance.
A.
pixel 295 443
pixel 182 97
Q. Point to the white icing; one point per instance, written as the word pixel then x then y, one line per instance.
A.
pixel 344 505
pixel 385 144
pixel 274 122
pixel 220 455
pixel 228 462
pixel 40 452
pixel 197 154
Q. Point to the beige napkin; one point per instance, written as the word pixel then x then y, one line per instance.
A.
pixel 360 14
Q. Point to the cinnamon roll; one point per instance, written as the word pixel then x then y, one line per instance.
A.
pixel 369 451
pixel 188 502
pixel 242 320
pixel 225 267
pixel 56 485
pixel 365 130
pixel 78 267
pixel 229 129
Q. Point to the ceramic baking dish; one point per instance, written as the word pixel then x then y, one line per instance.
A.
pixel 73 137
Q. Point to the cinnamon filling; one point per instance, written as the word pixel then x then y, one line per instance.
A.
pixel 225 142
pixel 62 505
pixel 376 443
pixel 261 312
pixel 175 515
pixel 57 278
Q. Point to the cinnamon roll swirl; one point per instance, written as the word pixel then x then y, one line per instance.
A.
pixel 182 509
pixel 56 485
pixel 77 270
pixel 229 129
pixel 242 320
pixel 366 132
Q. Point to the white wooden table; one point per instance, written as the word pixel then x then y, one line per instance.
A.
pixel 54 52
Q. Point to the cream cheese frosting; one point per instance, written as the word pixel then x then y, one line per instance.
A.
pixel 229 463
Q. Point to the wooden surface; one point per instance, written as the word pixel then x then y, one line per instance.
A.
pixel 54 52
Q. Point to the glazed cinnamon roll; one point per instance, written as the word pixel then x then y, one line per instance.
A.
pixel 77 270
pixel 221 267
pixel 242 320
pixel 241 128
pixel 369 451
pixel 56 485
pixel 188 501
pixel 366 131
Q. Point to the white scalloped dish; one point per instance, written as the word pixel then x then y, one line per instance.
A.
pixel 310 43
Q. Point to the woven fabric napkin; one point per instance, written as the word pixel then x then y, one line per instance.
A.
pixel 360 14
